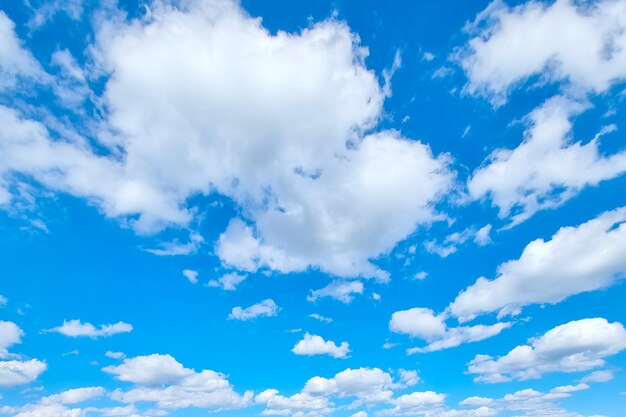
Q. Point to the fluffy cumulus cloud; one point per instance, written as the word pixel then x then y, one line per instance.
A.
pixel 526 402
pixel 577 259
pixel 548 168
pixel 417 403
pixel 580 43
pixel 162 380
pixel 572 347
pixel 275 122
pixel 316 345
pixel 75 328
pixel 15 371
pixel 423 323
pixel 577 44
pixel 266 308
pixel 10 334
pixel 340 290
pixel 19 372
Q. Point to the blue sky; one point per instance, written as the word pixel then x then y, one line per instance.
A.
pixel 312 209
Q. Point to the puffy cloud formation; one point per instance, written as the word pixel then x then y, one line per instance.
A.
pixel 577 259
pixel 202 99
pixel 548 168
pixel 10 334
pixel 74 328
pixel 424 324
pixel 266 308
pixel 579 43
pixel 416 403
pixel 316 345
pixel 162 380
pixel 15 372
pixel 340 290
pixel 572 347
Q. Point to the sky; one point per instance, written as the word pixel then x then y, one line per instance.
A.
pixel 313 208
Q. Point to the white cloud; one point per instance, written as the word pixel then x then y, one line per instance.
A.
pixel 114 355
pixel 191 275
pixel 266 308
pixel 10 334
pixel 74 328
pixel 300 404
pixel 228 282
pixel 16 63
pixel 150 370
pixel 476 401
pixel 572 347
pixel 548 168
pixel 424 324
pixel 416 403
pixel 316 345
pixel 15 372
pixel 339 290
pixel 321 318
pixel 74 396
pixel 578 43
pixel 409 377
pixel 598 376
pixel 177 248
pixel 49 410
pixel 162 380
pixel 451 243
pixel 368 385
pixel 577 259
pixel 280 133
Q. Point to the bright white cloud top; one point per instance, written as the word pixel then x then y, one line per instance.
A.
pixel 291 203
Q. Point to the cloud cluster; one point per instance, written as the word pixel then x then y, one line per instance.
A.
pixel 423 323
pixel 162 380
pixel 75 328
pixel 576 259
pixel 576 346
pixel 13 369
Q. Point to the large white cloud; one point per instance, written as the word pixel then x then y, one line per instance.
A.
pixel 15 372
pixel 548 168
pixel 424 324
pixel 10 334
pixel 203 99
pixel 572 347
pixel 582 43
pixel 577 259
pixel 162 380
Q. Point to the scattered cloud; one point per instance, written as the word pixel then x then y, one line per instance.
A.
pixel 423 323
pixel 191 275
pixel 572 347
pixel 577 259
pixel 316 345
pixel 339 290
pixel 228 282
pixel 74 328
pixel 266 308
